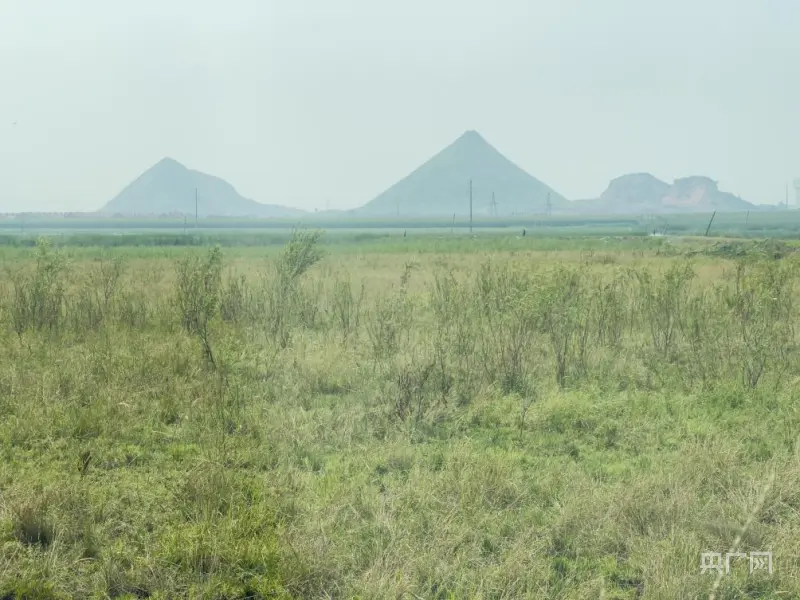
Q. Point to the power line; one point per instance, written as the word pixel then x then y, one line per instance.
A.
pixel 470 205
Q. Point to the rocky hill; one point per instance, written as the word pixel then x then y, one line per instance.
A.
pixel 698 193
pixel 639 193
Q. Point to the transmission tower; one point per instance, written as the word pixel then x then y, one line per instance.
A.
pixel 493 206
pixel 549 208
pixel 796 193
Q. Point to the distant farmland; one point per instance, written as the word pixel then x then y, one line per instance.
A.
pixel 739 224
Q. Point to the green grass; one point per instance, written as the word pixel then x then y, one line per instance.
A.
pixel 436 417
pixel 147 245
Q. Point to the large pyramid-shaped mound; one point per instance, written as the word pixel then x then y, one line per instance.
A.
pixel 169 188
pixel 440 187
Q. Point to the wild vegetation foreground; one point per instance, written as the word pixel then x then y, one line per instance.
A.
pixel 309 424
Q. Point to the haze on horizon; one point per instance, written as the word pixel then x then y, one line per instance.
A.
pixel 315 103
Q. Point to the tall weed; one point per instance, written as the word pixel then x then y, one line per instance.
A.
pixel 198 283
pixel 38 297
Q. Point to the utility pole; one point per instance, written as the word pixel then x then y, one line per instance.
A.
pixel 710 222
pixel 470 205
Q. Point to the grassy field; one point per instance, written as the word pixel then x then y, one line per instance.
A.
pixel 385 417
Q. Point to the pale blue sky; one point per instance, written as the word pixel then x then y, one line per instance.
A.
pixel 304 102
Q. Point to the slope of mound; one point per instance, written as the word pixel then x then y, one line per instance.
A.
pixel 440 187
pixel 169 188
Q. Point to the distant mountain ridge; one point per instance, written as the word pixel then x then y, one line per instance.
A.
pixel 168 187
pixel 440 186
pixel 437 188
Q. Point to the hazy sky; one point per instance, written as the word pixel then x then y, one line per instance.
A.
pixel 308 102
